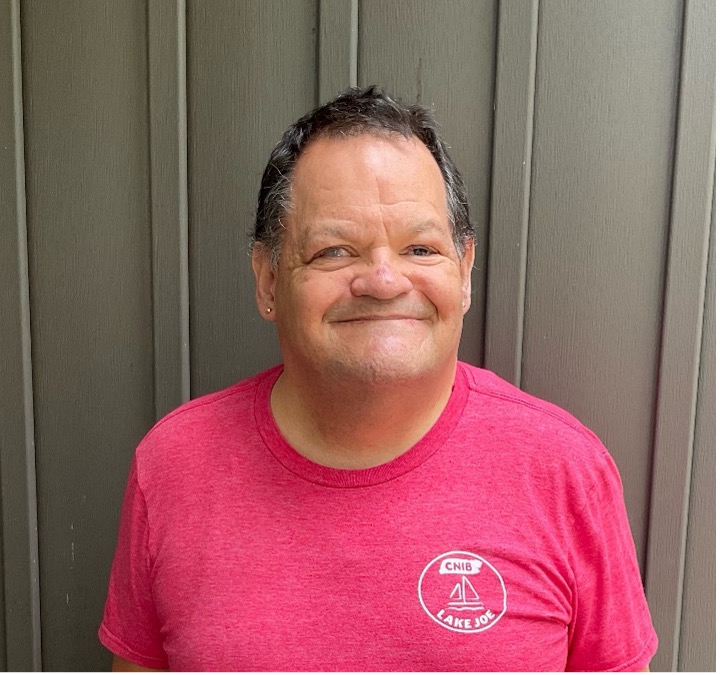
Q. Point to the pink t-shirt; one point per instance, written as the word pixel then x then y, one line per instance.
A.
pixel 499 541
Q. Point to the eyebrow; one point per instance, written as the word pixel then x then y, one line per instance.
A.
pixel 427 226
pixel 323 231
pixel 341 232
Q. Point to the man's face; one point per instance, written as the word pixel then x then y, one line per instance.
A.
pixel 369 286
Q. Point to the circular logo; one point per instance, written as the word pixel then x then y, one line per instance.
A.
pixel 462 592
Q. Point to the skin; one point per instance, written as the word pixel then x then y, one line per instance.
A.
pixel 368 298
pixel 123 666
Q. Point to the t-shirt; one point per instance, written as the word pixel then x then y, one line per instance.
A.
pixel 499 541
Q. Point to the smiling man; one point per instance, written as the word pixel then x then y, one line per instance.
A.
pixel 372 503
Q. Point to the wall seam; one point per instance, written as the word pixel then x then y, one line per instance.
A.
pixel 514 107
pixel 26 329
pixel 686 552
pixel 669 466
pixel 318 41
pixel 188 306
pixel 528 201
pixel 663 309
pixel 183 205
pixel 354 46
pixel 153 299
pixel 168 202
pixel 484 338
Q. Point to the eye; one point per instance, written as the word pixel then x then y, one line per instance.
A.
pixel 332 252
pixel 421 250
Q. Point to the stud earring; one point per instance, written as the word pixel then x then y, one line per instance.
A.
pixel 268 310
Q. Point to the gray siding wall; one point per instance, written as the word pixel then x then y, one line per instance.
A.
pixel 134 137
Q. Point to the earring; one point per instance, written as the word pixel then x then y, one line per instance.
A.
pixel 268 310
pixel 463 304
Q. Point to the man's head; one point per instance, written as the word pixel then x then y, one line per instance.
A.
pixel 362 268
pixel 354 112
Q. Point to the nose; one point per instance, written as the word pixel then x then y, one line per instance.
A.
pixel 381 278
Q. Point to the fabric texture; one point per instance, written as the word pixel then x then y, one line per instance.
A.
pixel 499 541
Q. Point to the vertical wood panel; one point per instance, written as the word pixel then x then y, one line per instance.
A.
pixel 697 645
pixel 91 297
pixel 441 53
pixel 602 143
pixel 169 202
pixel 252 72
pixel 20 592
pixel 337 47
pixel 511 186
pixel 681 339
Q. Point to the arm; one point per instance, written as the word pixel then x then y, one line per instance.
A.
pixel 130 625
pixel 612 620
pixel 121 665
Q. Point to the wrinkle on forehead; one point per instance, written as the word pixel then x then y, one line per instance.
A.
pixel 368 159
pixel 363 179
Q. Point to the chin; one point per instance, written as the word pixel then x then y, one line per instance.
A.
pixel 378 370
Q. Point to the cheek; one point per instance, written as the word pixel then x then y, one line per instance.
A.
pixel 316 293
pixel 444 291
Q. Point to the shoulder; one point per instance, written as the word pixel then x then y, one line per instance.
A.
pixel 194 431
pixel 489 389
pixel 534 432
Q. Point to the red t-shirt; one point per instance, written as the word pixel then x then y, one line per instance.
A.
pixel 499 541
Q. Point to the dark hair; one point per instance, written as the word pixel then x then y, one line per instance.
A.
pixel 355 111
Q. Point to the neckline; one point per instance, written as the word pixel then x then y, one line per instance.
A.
pixel 311 472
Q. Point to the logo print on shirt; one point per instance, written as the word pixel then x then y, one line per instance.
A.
pixel 462 592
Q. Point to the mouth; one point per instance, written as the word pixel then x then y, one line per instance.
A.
pixel 392 322
pixel 373 317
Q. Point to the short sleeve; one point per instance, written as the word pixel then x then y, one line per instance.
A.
pixel 611 628
pixel 130 626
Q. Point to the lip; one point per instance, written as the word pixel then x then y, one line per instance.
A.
pixel 392 317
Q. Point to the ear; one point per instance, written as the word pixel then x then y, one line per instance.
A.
pixel 469 256
pixel 265 277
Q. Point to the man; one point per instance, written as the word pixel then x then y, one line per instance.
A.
pixel 372 504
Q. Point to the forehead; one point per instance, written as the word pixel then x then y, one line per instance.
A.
pixel 367 171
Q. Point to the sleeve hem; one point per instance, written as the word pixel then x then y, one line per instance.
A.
pixel 119 648
pixel 640 660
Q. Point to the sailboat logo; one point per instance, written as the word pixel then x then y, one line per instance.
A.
pixel 462 592
pixel 464 596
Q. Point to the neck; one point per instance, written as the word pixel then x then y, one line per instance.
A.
pixel 352 425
